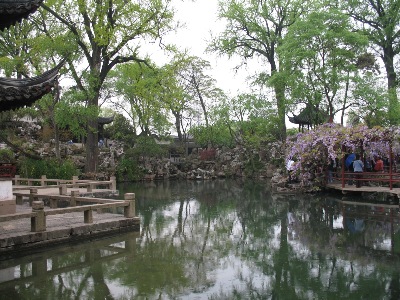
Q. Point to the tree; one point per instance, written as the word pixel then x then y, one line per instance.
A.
pixel 196 91
pixel 255 29
pixel 320 53
pixel 371 103
pixel 28 49
pixel 107 33
pixel 121 129
pixel 140 87
pixel 380 21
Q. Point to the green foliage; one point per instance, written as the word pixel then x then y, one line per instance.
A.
pixel 142 97
pixel 73 115
pixel 120 129
pixel 372 102
pixel 217 134
pixel 128 170
pixel 319 54
pixel 6 156
pixel 147 147
pixel 52 168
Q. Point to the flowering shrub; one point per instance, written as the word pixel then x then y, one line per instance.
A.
pixel 313 150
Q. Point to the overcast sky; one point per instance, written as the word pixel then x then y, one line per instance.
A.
pixel 200 19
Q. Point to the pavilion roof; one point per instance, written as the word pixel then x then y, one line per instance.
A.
pixel 13 11
pixel 310 115
pixel 105 120
pixel 17 93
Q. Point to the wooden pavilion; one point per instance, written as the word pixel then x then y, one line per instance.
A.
pixel 309 116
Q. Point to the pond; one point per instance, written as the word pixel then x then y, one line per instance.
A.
pixel 224 239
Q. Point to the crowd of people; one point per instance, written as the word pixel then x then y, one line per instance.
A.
pixel 355 164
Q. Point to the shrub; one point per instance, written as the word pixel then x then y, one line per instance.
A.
pixel 128 170
pixel 7 156
pixel 53 169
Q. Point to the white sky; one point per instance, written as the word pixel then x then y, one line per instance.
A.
pixel 200 19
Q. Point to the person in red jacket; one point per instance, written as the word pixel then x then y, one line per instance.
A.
pixel 378 165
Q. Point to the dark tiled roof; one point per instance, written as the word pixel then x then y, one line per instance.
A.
pixel 17 93
pixel 310 115
pixel 13 11
pixel 105 120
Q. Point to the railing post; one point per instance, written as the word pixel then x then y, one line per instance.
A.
pixel 89 187
pixel 88 216
pixel 16 178
pixel 19 199
pixel 33 195
pixel 62 189
pixel 53 203
pixel 113 180
pixel 43 180
pixel 74 194
pixel 74 181
pixel 129 211
pixel 38 222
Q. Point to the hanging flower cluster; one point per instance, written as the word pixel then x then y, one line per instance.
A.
pixel 314 150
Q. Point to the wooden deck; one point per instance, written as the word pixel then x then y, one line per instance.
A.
pixel 30 229
pixel 364 188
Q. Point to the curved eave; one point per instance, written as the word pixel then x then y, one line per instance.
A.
pixel 13 11
pixel 299 121
pixel 105 120
pixel 17 93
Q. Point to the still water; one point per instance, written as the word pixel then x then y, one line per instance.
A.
pixel 224 240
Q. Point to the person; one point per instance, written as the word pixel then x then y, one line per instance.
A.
pixel 331 169
pixel 378 165
pixel 368 165
pixel 358 166
pixel 289 168
pixel 349 165
pixel 349 161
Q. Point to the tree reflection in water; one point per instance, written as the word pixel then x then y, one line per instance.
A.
pixel 224 239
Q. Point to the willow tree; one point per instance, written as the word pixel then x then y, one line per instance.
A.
pixel 107 33
pixel 254 29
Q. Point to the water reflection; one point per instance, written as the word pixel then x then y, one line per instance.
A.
pixel 224 240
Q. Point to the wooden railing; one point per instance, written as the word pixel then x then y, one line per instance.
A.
pixel 7 170
pixel 62 184
pixel 38 214
pixel 387 178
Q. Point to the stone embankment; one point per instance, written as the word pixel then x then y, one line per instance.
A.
pixel 262 163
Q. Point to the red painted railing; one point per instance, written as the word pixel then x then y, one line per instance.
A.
pixel 8 170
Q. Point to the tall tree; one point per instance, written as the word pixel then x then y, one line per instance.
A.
pixel 380 21
pixel 107 33
pixel 255 28
pixel 198 89
pixel 141 96
pixel 320 54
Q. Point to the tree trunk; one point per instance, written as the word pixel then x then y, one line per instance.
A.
pixel 388 57
pixel 281 105
pixel 92 148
